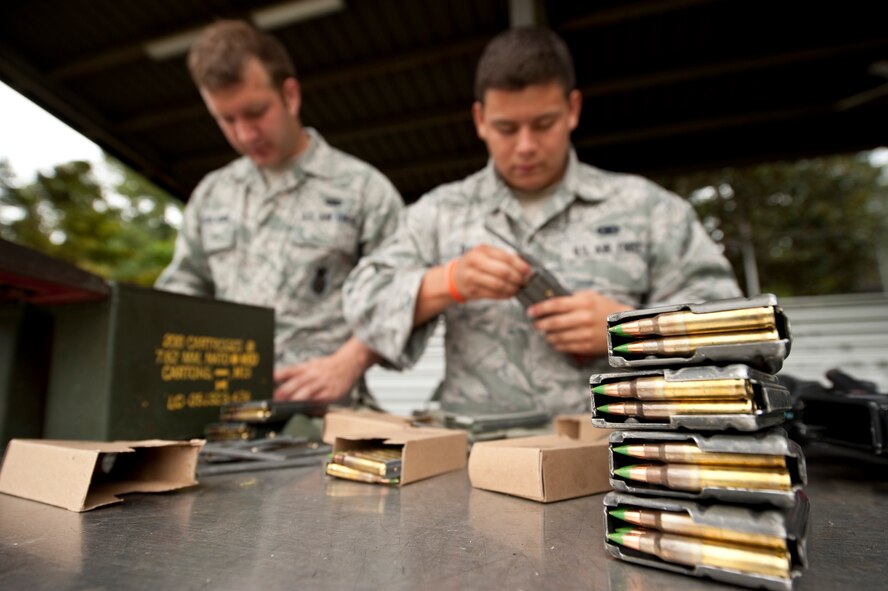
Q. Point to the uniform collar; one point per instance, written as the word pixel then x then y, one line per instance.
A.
pixel 586 182
pixel 311 163
pixel 581 181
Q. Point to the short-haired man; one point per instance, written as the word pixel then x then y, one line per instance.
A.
pixel 283 225
pixel 615 241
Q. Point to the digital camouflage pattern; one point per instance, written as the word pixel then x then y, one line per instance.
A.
pixel 620 235
pixel 290 247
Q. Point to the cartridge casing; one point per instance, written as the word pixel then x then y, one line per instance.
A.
pixel 766 351
pixel 340 471
pixel 382 462
pixel 659 388
pixel 687 345
pixel 765 404
pixel 782 530
pixel 694 478
pixel 759 485
pixel 688 323
pixel 267 411
pixel 692 551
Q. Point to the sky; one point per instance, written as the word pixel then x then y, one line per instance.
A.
pixel 33 140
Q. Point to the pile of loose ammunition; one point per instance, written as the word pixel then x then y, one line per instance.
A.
pixel 248 437
pixel 706 481
pixel 377 465
pixel 257 419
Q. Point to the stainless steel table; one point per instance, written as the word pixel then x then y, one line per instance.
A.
pixel 295 529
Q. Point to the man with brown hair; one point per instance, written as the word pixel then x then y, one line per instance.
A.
pixel 615 242
pixel 283 225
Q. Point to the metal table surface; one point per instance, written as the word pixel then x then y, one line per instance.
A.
pixel 294 528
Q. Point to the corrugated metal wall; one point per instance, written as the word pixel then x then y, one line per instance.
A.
pixel 849 332
pixel 402 392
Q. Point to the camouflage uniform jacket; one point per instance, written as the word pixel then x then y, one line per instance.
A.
pixel 290 248
pixel 620 235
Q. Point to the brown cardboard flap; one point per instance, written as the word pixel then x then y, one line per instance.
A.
pixel 347 422
pixel 580 427
pixel 431 454
pixel 83 475
pixel 545 468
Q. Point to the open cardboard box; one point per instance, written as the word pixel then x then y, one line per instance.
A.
pixel 545 468
pixel 426 451
pixel 346 421
pixel 83 475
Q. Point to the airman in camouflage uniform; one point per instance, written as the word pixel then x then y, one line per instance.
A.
pixel 288 248
pixel 615 241
pixel 283 225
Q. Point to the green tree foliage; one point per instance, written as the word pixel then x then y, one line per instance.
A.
pixel 815 226
pixel 119 233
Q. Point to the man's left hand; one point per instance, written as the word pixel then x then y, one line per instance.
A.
pixel 322 379
pixel 577 323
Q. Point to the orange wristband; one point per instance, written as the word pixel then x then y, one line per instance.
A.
pixel 451 283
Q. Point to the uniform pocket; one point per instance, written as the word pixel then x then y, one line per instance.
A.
pixel 218 237
pixel 318 261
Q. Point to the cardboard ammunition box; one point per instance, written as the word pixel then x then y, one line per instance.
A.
pixel 765 355
pixel 546 468
pixel 771 401
pixel 425 451
pixel 789 524
pixel 144 363
pixel 770 443
pixel 25 341
pixel 83 475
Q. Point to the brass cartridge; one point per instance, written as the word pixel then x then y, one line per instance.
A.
pixel 695 551
pixel 673 522
pixel 689 453
pixel 695 478
pixel 687 345
pixel 678 323
pixel 668 409
pixel 340 471
pixel 658 388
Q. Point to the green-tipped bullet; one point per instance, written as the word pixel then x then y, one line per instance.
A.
pixel 618 330
pixel 598 389
pixel 602 408
pixel 618 513
pixel 624 472
pixel 689 453
pixel 688 344
pixel 616 536
pixel 677 323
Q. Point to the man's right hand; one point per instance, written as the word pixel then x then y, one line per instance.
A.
pixel 483 272
pixel 486 272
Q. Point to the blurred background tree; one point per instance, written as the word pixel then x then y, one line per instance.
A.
pixel 809 227
pixel 118 228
